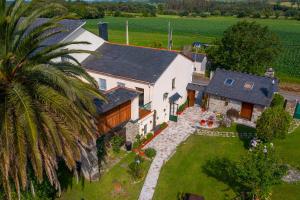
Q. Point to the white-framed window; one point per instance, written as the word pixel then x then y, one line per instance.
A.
pixel 102 84
pixel 173 83
pixel 145 129
pixel 120 84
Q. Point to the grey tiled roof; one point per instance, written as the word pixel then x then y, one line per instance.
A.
pixel 199 57
pixel 67 26
pixel 115 97
pixel 174 97
pixel 261 93
pixel 138 63
pixel 196 87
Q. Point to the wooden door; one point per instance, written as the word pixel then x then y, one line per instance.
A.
pixel 114 117
pixel 247 110
pixel 191 97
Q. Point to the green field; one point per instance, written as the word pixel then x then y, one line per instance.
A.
pixel 146 31
pixel 184 172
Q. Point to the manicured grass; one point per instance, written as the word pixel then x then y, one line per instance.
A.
pixel 146 31
pixel 239 128
pixel 105 188
pixel 184 171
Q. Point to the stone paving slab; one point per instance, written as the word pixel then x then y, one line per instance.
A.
pixel 165 144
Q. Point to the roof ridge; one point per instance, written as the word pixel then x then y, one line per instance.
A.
pixel 144 47
pixel 247 73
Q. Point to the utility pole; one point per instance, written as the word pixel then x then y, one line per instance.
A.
pixel 127 33
pixel 170 36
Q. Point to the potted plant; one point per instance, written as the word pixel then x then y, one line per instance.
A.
pixel 210 123
pixel 202 122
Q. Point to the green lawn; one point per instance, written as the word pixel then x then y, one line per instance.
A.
pixel 239 128
pixel 146 31
pixel 105 188
pixel 184 171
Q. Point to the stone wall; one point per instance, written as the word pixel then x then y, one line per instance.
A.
pixel 290 107
pixel 218 104
pixel 221 105
pixel 257 111
pixel 132 129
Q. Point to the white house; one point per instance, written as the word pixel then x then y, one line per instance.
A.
pixel 159 76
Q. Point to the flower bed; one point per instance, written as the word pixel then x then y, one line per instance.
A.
pixel 138 150
pixel 182 108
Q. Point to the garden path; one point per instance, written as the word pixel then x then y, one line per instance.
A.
pixel 165 145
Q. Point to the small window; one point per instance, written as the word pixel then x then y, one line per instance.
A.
pixel 229 82
pixel 173 83
pixel 145 129
pixel 120 84
pixel 102 84
pixel 248 85
pixel 226 102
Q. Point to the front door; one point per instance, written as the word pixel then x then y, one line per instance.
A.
pixel 173 112
pixel 191 97
pixel 246 111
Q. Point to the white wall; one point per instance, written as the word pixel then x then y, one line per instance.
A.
pixel 111 82
pixel 135 109
pixel 181 69
pixel 200 66
pixel 82 35
pixel 148 120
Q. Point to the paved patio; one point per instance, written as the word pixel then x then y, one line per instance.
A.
pixel 165 144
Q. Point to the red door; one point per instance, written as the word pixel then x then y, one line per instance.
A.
pixel 247 110
pixel 191 97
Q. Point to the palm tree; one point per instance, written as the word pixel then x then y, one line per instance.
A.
pixel 46 107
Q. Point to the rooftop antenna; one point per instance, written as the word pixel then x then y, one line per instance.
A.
pixel 127 33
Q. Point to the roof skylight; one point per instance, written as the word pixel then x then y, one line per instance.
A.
pixel 228 81
pixel 248 85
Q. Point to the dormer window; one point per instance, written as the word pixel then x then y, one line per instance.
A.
pixel 248 85
pixel 228 81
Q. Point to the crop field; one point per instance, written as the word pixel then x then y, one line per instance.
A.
pixel 148 31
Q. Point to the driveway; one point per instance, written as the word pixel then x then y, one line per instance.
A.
pixel 165 144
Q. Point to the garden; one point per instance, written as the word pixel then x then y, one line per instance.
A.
pixel 185 171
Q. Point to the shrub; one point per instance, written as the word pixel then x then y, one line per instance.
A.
pixel 170 12
pixel 117 14
pixel 136 168
pixel 149 135
pixel 156 44
pixel 182 107
pixel 204 14
pixel 232 114
pixel 278 100
pixel 150 153
pixel 256 15
pixel 163 125
pixel 116 143
pixel 216 13
pixel 242 14
pixel 273 123
pixel 183 13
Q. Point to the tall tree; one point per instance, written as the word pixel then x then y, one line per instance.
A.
pixel 246 47
pixel 46 107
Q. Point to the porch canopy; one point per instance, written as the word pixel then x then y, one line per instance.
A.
pixel 174 97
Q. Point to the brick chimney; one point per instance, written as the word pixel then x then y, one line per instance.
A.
pixel 103 30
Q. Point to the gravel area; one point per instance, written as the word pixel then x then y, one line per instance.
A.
pixel 165 144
